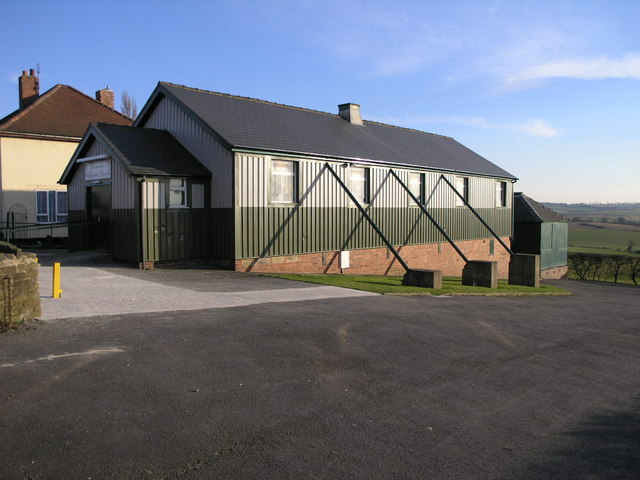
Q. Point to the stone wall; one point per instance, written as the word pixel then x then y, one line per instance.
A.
pixel 19 289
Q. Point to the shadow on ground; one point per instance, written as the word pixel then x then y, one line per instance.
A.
pixel 603 446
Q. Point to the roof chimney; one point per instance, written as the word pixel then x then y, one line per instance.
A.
pixel 29 88
pixel 106 97
pixel 350 112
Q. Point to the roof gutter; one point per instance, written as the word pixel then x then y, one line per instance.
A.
pixel 64 138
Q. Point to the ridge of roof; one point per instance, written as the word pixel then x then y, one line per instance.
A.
pixel 538 210
pixel 302 109
pixel 96 126
pixel 19 113
pixel 96 101
pixel 42 99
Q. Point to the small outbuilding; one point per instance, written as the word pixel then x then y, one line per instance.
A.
pixel 259 186
pixel 541 231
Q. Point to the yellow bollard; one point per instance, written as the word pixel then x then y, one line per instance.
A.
pixel 56 281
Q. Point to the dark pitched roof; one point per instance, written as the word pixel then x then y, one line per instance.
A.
pixel 61 111
pixel 147 151
pixel 255 124
pixel 527 210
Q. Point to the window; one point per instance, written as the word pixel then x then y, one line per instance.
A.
pixel 462 186
pixel 284 184
pixel 51 206
pixel 501 194
pixel 360 182
pixel 177 192
pixel 62 212
pixel 416 186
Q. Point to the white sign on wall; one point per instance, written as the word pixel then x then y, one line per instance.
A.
pixel 99 170
pixel 344 259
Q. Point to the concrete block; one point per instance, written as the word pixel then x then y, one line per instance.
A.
pixel 10 248
pixel 423 278
pixel 524 270
pixel 480 273
pixel 19 292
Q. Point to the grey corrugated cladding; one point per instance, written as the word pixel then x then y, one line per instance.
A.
pixel 256 124
pixel 525 209
pixel 146 151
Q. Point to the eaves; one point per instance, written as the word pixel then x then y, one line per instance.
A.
pixel 40 136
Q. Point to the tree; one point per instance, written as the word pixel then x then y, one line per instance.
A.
pixel 633 269
pixel 128 106
pixel 615 265
pixel 579 263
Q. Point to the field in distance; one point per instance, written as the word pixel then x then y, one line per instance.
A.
pixel 620 213
pixel 612 228
pixel 609 238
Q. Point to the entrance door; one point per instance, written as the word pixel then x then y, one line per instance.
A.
pixel 99 210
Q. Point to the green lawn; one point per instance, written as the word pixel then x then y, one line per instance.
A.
pixel 393 285
pixel 603 240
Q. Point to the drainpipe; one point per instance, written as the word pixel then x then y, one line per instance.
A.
pixel 143 244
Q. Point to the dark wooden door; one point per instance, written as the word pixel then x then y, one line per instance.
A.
pixel 99 209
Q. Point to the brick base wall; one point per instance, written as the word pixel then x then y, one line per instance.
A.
pixel 19 289
pixel 557 273
pixel 380 261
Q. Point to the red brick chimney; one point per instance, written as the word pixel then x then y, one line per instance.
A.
pixel 106 97
pixel 29 88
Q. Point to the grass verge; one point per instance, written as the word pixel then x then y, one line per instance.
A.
pixel 392 285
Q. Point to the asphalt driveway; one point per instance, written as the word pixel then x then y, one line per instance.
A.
pixel 371 387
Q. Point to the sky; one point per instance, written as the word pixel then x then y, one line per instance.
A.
pixel 549 90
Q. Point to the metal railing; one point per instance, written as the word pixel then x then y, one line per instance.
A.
pixel 33 231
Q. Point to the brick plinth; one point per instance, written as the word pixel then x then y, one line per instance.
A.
pixel 380 261
pixel 556 273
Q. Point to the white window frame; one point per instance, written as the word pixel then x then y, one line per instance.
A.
pixel 365 178
pixel 62 208
pixel 182 188
pixel 55 207
pixel 421 187
pixel 462 186
pixel 39 205
pixel 501 194
pixel 280 176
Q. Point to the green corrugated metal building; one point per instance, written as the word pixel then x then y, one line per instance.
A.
pixel 254 185
pixel 539 230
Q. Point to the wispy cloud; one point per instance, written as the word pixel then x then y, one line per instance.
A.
pixel 503 45
pixel 534 127
pixel 383 40
pixel 586 69
pixel 13 77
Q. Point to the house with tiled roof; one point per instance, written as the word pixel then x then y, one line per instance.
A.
pixel 283 188
pixel 36 142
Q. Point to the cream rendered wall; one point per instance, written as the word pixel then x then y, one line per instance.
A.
pixel 28 165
